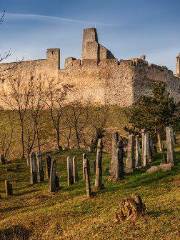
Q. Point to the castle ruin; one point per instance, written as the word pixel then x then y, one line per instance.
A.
pixel 98 77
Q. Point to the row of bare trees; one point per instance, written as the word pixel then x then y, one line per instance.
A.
pixel 43 113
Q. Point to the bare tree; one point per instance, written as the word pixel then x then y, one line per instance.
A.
pixel 98 120
pixel 6 137
pixel 77 120
pixel 15 95
pixel 56 97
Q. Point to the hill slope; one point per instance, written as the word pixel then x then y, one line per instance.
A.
pixel 33 213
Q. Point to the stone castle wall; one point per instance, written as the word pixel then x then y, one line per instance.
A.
pixel 98 78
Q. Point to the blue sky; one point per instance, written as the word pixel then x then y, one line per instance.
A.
pixel 129 28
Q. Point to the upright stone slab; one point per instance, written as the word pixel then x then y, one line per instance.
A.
pixel 75 170
pixel 115 139
pixel 137 152
pixel 70 179
pixel 119 170
pixel 40 171
pixel 98 176
pixel 33 168
pixel 8 188
pixel 48 165
pixel 53 180
pixel 130 161
pixel 170 145
pixel 87 177
pixel 146 151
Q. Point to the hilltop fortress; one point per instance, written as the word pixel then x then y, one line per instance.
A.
pixel 98 76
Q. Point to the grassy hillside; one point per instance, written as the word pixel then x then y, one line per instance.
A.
pixel 33 213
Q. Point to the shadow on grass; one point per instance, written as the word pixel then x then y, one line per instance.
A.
pixel 26 192
pixel 159 213
pixel 15 232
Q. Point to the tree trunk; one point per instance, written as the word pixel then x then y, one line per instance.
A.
pixel 22 139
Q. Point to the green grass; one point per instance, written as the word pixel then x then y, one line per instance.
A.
pixel 34 213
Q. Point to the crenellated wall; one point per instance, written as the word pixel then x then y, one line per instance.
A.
pixel 99 78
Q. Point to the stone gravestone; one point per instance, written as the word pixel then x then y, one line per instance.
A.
pixel 137 152
pixel 40 171
pixel 8 188
pixel 170 145
pixel 115 139
pixel 53 180
pixel 117 165
pixel 98 176
pixel 48 165
pixel 146 151
pixel 33 168
pixel 87 177
pixel 70 171
pixel 130 161
pixel 119 173
pixel 75 170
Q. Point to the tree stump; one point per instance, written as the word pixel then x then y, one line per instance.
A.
pixel 40 171
pixel 130 161
pixel 98 176
pixel 170 145
pixel 53 180
pixel 48 165
pixel 8 188
pixel 130 209
pixel 75 170
pixel 70 171
pixel 33 168
pixel 87 177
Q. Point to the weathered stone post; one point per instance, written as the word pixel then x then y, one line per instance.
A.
pixel 119 170
pixel 87 177
pixel 115 139
pixel 142 149
pixel 137 152
pixel 48 165
pixel 53 180
pixel 75 170
pixel 70 171
pixel 146 151
pixel 130 161
pixel 98 178
pixel 170 145
pixel 84 157
pixel 40 171
pixel 33 169
pixel 8 188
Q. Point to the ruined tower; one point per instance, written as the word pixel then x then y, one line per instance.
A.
pixel 178 65
pixel 53 57
pixel 91 49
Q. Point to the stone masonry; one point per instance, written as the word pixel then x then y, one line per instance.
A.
pixel 97 78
